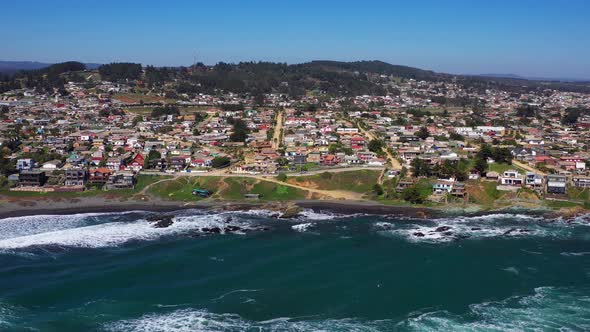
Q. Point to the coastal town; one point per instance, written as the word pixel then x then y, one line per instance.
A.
pixel 413 144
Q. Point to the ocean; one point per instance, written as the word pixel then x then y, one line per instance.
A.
pixel 248 271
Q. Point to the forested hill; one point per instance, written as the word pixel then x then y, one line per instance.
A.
pixel 327 77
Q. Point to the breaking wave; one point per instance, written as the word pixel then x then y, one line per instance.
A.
pixel 477 227
pixel 100 230
pixel 547 309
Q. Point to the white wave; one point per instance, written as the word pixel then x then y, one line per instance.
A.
pixel 234 292
pixel 548 309
pixel 309 214
pixel 384 225
pixel 512 269
pixel 202 320
pixel 112 233
pixel 29 225
pixel 582 253
pixel 488 226
pixel 302 227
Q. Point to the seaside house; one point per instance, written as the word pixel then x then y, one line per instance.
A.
pixel 556 184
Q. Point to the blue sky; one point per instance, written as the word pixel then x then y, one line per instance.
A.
pixel 526 37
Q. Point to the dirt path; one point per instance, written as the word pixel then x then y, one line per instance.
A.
pixel 337 194
pixel 526 167
pixel 145 189
pixel 276 138
pixel 368 135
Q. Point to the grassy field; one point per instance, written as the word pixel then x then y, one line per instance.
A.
pixel 356 181
pixel 483 192
pixel 501 168
pixel 181 189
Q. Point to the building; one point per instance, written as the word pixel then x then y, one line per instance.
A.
pixel 556 184
pixel 534 180
pixel 511 178
pixel 442 187
pixel 581 181
pixel 32 178
pixel 121 180
pixel 25 164
pixel 76 177
pixel 99 176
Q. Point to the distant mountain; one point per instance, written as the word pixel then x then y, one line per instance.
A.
pixel 514 76
pixel 14 66
pixel 11 67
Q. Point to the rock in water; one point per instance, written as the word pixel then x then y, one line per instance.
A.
pixel 214 230
pixel 442 229
pixel 160 221
pixel 509 231
pixel 291 212
pixel 419 234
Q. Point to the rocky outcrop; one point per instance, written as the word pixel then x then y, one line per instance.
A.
pixel 160 221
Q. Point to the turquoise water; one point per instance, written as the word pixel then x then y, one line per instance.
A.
pixel 115 272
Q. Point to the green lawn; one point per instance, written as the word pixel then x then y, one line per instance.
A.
pixel 181 189
pixel 277 192
pixel 501 168
pixel 357 181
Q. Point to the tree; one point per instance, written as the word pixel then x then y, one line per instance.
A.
pixel 152 155
pixel 259 99
pixel 421 168
pixel 377 189
pixel 240 131
pixel 485 152
pixel 502 155
pixel 220 162
pixel 376 145
pixel 571 116
pixel 456 137
pixel 481 165
pixel 423 133
pixel 412 195
pixel 282 177
pixel 165 110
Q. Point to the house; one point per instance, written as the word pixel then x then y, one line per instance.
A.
pixel 458 189
pixel 114 163
pixel 493 176
pixel 137 163
pixel 443 187
pixel 99 176
pixel 581 181
pixel 178 162
pixel 534 180
pixel 329 160
pixel 25 164
pixel 299 159
pixel 29 178
pixel 121 180
pixel 158 164
pixel 76 177
pixel 403 184
pixel 556 184
pixel 511 178
pixel 52 165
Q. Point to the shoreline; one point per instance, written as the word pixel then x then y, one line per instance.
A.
pixel 68 206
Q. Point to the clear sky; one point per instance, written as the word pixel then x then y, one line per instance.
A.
pixel 526 37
